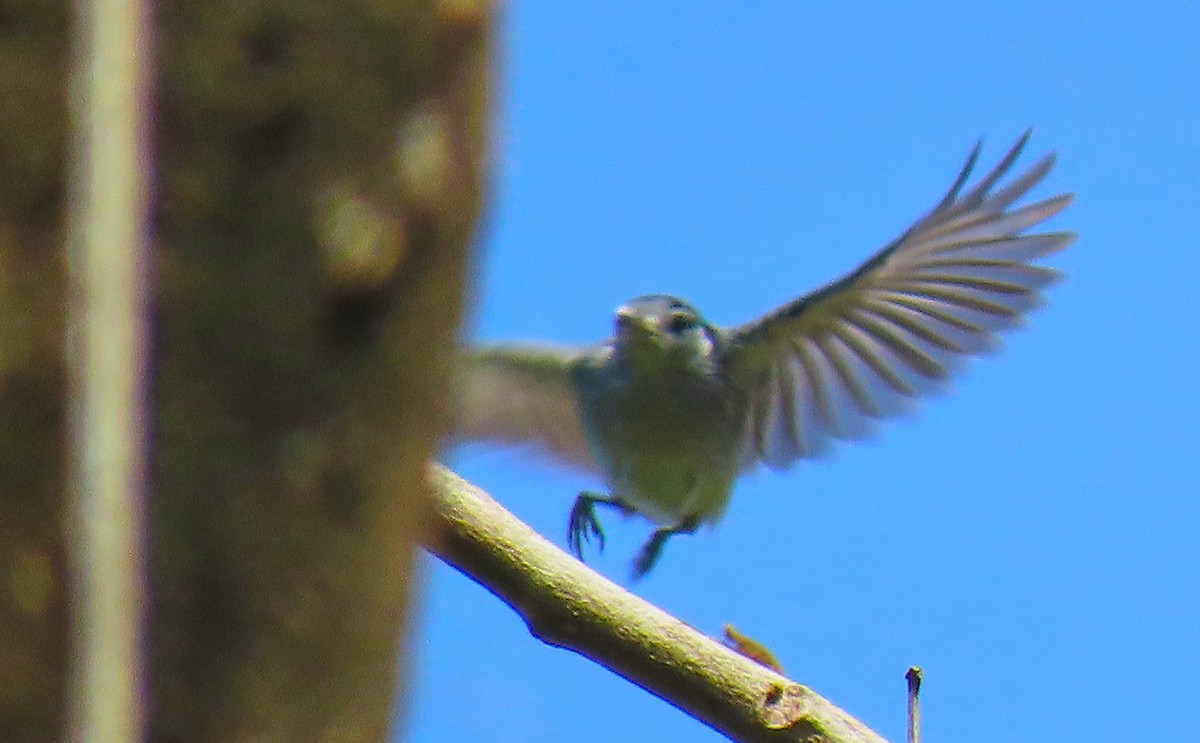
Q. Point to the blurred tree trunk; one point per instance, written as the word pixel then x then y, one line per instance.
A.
pixel 317 177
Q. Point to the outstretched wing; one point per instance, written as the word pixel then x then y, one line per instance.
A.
pixel 520 395
pixel 828 364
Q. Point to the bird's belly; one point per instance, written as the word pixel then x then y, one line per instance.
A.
pixel 670 491
pixel 672 455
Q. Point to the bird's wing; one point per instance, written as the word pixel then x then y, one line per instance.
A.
pixel 828 364
pixel 521 394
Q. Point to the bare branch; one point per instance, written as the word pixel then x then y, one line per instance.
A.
pixel 106 359
pixel 570 606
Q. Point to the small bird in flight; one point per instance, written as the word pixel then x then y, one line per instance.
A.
pixel 671 409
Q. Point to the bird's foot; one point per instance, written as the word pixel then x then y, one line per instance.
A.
pixel 582 524
pixel 648 555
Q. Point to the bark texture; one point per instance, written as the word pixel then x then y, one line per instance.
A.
pixel 317 176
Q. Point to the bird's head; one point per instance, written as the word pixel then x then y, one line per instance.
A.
pixel 662 325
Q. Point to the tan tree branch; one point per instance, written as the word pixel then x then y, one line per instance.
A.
pixel 568 605
pixel 107 254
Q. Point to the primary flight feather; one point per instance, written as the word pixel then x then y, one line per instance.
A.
pixel 671 409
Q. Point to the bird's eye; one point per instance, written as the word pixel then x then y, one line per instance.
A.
pixel 680 322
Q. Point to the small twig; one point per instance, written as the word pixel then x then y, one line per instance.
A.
pixel 914 704
pixel 751 648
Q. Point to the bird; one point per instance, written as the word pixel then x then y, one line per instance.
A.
pixel 672 409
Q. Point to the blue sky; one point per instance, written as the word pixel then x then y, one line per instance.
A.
pixel 1029 539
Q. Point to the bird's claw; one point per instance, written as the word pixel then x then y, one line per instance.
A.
pixel 582 525
pixel 648 555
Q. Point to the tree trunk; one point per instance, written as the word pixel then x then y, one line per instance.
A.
pixel 316 178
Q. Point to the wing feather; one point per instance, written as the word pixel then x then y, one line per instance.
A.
pixel 521 395
pixel 830 364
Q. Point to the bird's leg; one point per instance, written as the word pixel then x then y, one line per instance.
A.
pixel 582 524
pixel 648 554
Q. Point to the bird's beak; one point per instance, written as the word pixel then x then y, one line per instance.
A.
pixel 628 320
